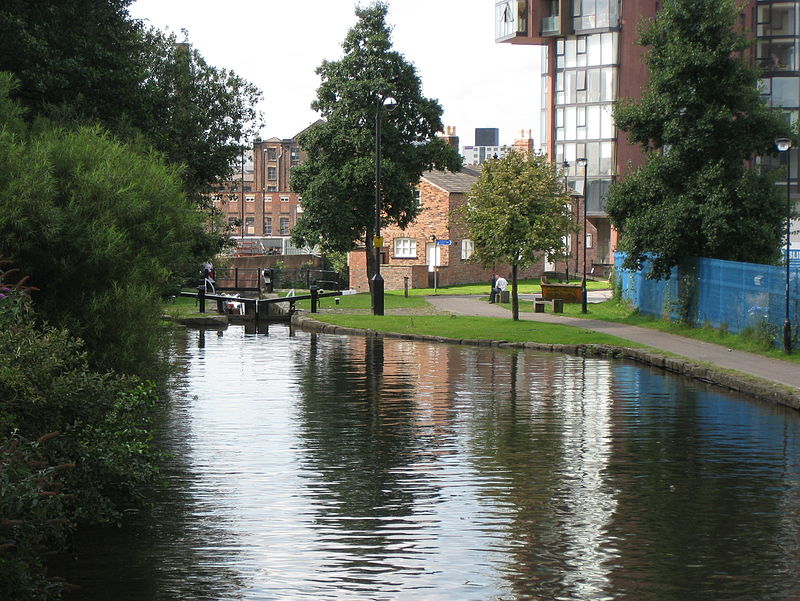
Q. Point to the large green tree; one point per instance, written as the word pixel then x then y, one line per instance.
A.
pixel 101 227
pixel 337 181
pixel 701 122
pixel 517 212
pixel 88 61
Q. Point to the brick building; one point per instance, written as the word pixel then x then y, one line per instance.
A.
pixel 258 203
pixel 418 252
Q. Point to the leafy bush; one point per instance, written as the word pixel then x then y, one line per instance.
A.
pixel 74 443
pixel 102 228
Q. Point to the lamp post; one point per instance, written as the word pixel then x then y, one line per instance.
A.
pixel 585 164
pixel 784 145
pixel 387 104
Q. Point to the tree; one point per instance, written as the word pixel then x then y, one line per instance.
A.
pixel 102 229
pixel 337 181
pixel 700 122
pixel 516 212
pixel 104 67
pixel 196 114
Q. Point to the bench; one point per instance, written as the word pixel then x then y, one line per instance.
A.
pixel 569 293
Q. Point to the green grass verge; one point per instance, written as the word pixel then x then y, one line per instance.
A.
pixel 185 307
pixel 527 286
pixel 474 328
pixel 617 312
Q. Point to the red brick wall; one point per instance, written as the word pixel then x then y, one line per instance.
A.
pixel 435 220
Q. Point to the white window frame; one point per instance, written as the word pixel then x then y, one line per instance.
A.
pixel 284 199
pixel 405 248
pixel 250 197
pixel 467 249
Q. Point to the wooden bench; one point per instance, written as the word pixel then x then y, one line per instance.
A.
pixel 569 293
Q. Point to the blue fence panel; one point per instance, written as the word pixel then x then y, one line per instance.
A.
pixel 735 296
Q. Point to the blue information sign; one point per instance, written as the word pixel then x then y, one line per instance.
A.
pixel 444 242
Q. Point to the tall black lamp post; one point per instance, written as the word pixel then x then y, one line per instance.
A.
pixel 784 145
pixel 382 104
pixel 585 164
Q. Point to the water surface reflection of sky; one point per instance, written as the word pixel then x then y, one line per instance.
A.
pixel 328 467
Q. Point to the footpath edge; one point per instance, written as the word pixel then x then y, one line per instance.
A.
pixel 762 390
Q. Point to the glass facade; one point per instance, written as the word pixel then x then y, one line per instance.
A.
pixel 778 37
pixel 585 80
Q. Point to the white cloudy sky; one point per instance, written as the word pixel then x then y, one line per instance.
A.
pixel 278 44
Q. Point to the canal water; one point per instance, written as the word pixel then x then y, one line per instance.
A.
pixel 326 467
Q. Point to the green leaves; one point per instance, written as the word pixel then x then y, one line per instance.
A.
pixel 700 122
pixel 101 228
pixel 337 180
pixel 517 210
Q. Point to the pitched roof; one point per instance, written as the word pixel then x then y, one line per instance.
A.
pixel 454 182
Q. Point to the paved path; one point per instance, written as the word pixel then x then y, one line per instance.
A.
pixel 773 370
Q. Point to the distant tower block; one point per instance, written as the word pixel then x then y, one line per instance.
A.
pixel 487 136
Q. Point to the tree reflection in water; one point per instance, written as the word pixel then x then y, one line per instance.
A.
pixel 346 468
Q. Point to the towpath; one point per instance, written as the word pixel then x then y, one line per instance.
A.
pixel 774 370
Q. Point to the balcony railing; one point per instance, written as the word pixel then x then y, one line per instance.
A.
pixel 510 19
pixel 551 25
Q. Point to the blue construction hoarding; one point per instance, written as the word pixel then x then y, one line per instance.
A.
pixel 724 294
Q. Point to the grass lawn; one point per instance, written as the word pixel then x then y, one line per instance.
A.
pixel 474 328
pixel 182 306
pixel 614 311
pixel 528 286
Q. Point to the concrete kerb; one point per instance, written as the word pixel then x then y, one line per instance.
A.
pixel 751 386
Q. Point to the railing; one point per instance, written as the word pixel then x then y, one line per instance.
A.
pixel 551 25
pixel 256 303
pixel 249 278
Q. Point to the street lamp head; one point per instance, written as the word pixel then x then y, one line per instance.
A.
pixel 565 165
pixel 783 144
pixel 389 104
pixel 582 162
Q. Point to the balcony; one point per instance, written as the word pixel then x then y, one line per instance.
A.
pixel 511 20
pixel 551 25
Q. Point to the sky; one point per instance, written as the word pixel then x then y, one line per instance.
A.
pixel 278 44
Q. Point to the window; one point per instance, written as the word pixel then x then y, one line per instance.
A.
pixel 284 199
pixel 250 197
pixel 467 248
pixel 268 199
pixel 267 226
pixel 580 80
pixel 284 226
pixel 271 154
pixel 272 189
pixel 405 248
pixel 272 173
pixel 588 241
pixel 250 225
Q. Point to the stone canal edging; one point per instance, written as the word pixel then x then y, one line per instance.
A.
pixel 754 387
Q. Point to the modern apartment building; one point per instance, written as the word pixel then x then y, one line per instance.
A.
pixel 590 59
pixel 258 202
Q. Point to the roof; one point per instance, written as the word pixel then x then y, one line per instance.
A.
pixel 454 182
